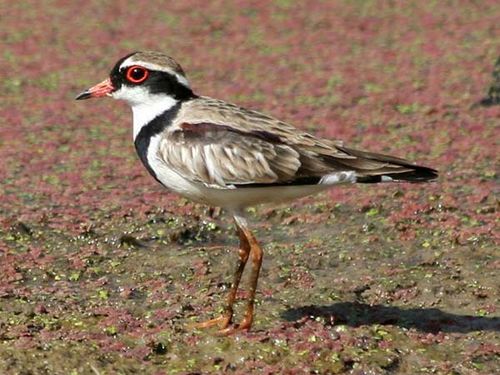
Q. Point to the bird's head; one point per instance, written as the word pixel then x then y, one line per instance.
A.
pixel 141 78
pixel 150 82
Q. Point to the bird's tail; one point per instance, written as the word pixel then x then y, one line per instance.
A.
pixel 371 168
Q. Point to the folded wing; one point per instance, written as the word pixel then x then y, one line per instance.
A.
pixel 219 156
pixel 221 145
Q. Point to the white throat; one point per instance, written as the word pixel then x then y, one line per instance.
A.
pixel 143 113
pixel 145 106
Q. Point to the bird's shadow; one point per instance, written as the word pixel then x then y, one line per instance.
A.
pixel 430 320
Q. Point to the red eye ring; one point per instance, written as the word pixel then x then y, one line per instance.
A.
pixel 136 74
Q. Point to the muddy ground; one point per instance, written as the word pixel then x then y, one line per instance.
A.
pixel 101 270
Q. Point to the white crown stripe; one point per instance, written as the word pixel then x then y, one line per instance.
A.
pixel 130 62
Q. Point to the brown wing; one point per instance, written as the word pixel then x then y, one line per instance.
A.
pixel 220 144
pixel 245 121
pixel 220 156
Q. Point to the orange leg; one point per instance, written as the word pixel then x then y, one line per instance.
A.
pixel 248 247
pixel 247 238
pixel 225 319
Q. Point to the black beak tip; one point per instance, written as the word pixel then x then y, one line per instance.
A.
pixel 83 95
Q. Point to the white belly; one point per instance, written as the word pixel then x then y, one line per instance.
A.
pixel 243 197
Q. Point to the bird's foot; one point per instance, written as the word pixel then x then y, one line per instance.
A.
pixel 224 324
pixel 244 326
pixel 222 321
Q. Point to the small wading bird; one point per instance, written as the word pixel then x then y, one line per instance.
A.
pixel 223 155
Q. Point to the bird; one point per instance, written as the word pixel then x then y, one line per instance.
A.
pixel 493 96
pixel 223 155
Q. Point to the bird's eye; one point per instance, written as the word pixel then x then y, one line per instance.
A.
pixel 136 74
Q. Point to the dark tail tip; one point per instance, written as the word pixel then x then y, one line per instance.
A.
pixel 419 174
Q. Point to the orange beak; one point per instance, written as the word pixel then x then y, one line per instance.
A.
pixel 105 88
